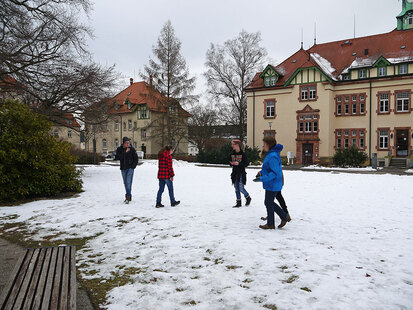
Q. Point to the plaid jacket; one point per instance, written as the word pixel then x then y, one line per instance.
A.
pixel 165 166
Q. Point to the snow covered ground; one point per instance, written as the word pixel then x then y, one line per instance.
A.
pixel 349 245
pixel 364 169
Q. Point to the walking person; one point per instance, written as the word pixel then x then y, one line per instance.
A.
pixel 166 176
pixel 272 180
pixel 128 158
pixel 239 162
pixel 281 201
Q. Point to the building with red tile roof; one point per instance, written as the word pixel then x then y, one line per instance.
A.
pixel 339 94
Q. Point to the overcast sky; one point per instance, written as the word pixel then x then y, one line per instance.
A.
pixel 125 30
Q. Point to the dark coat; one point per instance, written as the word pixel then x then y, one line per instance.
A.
pixel 238 171
pixel 127 159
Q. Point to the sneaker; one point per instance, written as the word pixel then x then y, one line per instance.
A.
pixel 159 205
pixel 174 204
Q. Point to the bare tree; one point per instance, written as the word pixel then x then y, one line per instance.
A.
pixel 42 45
pixel 200 124
pixel 230 67
pixel 169 75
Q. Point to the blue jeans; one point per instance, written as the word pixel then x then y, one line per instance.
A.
pixel 127 176
pixel 162 183
pixel 239 188
pixel 272 206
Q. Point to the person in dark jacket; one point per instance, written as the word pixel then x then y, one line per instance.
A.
pixel 272 181
pixel 128 158
pixel 239 162
pixel 166 176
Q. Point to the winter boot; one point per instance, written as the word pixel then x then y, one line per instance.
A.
pixel 248 200
pixel 238 205
pixel 126 201
pixel 174 204
pixel 282 224
pixel 288 217
pixel 159 205
pixel 266 227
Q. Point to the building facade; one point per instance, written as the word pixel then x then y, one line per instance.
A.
pixel 354 92
pixel 68 129
pixel 139 113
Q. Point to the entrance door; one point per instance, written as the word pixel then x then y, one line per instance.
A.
pixel 402 142
pixel 307 154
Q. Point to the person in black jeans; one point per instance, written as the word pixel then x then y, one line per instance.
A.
pixel 239 161
pixel 282 203
pixel 128 158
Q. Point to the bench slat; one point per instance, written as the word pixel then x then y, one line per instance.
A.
pixel 54 304
pixel 43 277
pixel 6 291
pixel 65 279
pixel 27 280
pixel 72 282
pixel 19 279
pixel 49 280
pixel 35 280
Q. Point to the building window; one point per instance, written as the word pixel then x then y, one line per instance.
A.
pixel 362 73
pixel 315 126
pixel 304 93
pixel 69 134
pixel 300 127
pixel 339 143
pixel 135 125
pixel 346 77
pixel 143 134
pixel 346 109
pixel 361 143
pixel 402 102
pixel 382 71
pixel 116 126
pixel 339 109
pixel 362 108
pixel 362 97
pixel 346 98
pixel 403 69
pixel 269 133
pixel 339 133
pixel 116 143
pixel 313 92
pixel 338 99
pixel 56 133
pixel 384 103
pixel 307 127
pixel 357 138
pixel 383 139
pixel 267 81
pixel 124 126
pixel 273 80
pixel 143 112
pixel 346 133
pixel 270 109
pixel 354 98
pixel 346 143
pixel 354 133
pixel 410 20
pixel 354 142
pixel 104 144
pixel 354 109
pixel 129 125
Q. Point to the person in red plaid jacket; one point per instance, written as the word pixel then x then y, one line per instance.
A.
pixel 166 176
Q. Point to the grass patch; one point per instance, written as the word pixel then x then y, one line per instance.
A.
pixel 291 279
pixel 270 306
pixel 305 289
pixel 232 267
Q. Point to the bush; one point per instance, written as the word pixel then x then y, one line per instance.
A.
pixel 221 156
pixel 32 162
pixel 350 157
pixel 85 157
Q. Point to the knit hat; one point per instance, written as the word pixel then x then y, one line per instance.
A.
pixel 125 139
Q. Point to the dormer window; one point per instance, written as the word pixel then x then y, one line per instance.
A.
pixel 403 69
pixel 382 71
pixel 362 73
pixel 346 77
pixel 267 81
pixel 270 76
pixel 410 20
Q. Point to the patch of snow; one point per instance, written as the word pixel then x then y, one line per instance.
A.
pixel 325 65
pixel 206 255
pixel 316 167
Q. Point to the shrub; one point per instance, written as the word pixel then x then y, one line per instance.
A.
pixel 350 157
pixel 85 157
pixel 221 156
pixel 32 162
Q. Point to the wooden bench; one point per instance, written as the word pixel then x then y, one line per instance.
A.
pixel 43 278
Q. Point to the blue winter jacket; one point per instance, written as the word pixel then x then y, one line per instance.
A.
pixel 271 170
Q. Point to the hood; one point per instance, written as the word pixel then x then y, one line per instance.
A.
pixel 278 148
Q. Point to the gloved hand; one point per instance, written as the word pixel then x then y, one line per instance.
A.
pixel 258 174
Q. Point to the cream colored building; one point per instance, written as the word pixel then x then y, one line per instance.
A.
pixel 338 94
pixel 68 129
pixel 138 113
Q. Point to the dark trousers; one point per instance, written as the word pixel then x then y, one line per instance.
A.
pixel 281 201
pixel 273 207
pixel 170 185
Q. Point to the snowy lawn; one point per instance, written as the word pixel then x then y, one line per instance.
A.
pixel 349 245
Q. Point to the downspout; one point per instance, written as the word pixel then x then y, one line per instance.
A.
pixel 253 119
pixel 370 113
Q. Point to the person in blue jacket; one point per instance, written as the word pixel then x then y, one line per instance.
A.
pixel 272 181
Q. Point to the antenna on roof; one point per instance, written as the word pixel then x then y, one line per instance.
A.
pixel 302 38
pixel 315 33
pixel 354 26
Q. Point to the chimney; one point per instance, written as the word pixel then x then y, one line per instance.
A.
pixel 150 80
pixel 131 81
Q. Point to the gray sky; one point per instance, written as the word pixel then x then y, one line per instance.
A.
pixel 125 30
